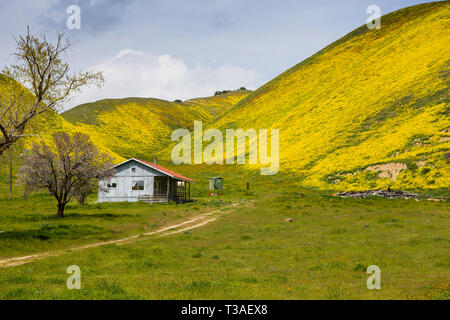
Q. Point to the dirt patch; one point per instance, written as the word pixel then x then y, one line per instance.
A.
pixel 421 164
pixel 388 170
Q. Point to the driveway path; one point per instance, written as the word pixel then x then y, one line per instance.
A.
pixel 192 223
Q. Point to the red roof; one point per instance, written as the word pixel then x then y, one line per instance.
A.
pixel 166 171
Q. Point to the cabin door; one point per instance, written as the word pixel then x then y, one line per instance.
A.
pixel 160 186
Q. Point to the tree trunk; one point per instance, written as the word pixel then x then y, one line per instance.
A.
pixel 10 177
pixel 61 210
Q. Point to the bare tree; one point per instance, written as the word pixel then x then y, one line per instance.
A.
pixel 11 160
pixel 65 169
pixel 82 193
pixel 13 155
pixel 40 69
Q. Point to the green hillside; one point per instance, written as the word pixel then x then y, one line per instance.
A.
pixel 371 110
pixel 140 127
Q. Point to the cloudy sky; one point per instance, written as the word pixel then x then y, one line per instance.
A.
pixel 181 49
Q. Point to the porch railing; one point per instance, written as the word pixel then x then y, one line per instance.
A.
pixel 162 198
pixel 183 196
pixel 180 197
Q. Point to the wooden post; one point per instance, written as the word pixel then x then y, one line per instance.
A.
pixel 168 189
pixel 248 185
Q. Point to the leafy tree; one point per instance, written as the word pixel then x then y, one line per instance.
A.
pixel 40 69
pixel 67 169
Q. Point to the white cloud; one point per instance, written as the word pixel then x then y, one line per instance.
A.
pixel 132 73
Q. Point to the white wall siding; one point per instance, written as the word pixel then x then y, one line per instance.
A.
pixel 124 179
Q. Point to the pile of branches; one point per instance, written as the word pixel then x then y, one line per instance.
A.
pixel 393 194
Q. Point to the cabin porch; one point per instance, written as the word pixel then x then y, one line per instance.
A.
pixel 167 189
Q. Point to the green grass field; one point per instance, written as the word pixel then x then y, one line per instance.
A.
pixel 248 252
pixel 368 111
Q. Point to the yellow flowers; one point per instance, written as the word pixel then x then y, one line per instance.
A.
pixel 143 127
pixel 360 101
pixel 371 98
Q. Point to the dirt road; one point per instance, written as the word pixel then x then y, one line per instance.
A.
pixel 192 223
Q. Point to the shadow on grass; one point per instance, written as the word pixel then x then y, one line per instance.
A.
pixel 49 231
pixel 69 216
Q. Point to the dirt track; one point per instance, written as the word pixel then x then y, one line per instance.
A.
pixel 192 223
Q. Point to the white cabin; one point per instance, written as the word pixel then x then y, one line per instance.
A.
pixel 138 180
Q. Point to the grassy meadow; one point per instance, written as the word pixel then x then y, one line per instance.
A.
pixel 368 111
pixel 248 252
pixel 29 224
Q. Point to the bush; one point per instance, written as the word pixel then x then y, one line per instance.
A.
pixel 218 93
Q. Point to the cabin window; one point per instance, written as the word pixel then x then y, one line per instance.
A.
pixel 133 170
pixel 138 185
pixel 112 185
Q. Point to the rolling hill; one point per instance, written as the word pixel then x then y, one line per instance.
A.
pixel 43 126
pixel 140 127
pixel 371 110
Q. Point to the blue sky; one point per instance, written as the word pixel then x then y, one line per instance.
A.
pixel 184 49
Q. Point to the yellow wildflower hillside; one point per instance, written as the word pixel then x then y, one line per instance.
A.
pixel 43 126
pixel 140 127
pixel 369 111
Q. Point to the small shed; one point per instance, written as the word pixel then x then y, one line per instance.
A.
pixel 215 183
pixel 139 180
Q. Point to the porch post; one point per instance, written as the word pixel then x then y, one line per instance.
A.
pixel 168 189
